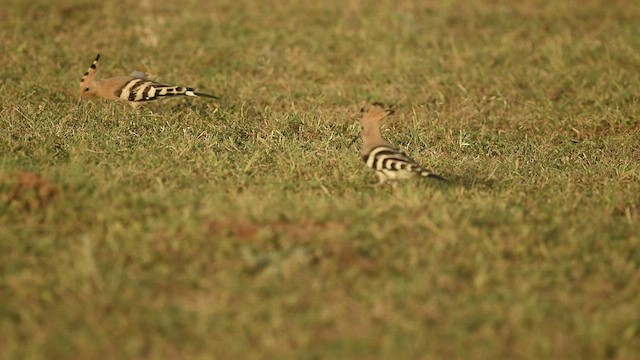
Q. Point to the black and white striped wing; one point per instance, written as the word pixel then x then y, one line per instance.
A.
pixel 138 90
pixel 395 163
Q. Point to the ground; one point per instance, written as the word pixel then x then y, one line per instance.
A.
pixel 248 228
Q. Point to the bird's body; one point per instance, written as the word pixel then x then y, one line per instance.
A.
pixel 389 162
pixel 135 89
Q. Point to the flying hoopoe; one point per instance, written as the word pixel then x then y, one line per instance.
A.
pixel 135 89
pixel 389 162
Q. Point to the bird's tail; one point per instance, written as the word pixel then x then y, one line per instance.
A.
pixel 206 95
pixel 428 174
pixel 192 92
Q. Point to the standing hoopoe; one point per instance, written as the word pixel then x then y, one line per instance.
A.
pixel 134 89
pixel 389 162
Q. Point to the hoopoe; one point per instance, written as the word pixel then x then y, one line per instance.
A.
pixel 389 162
pixel 135 89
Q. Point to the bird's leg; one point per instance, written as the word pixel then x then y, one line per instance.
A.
pixel 382 178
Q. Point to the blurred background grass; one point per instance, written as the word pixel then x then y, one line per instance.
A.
pixel 248 228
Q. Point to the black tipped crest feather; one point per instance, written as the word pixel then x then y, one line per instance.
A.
pixel 89 76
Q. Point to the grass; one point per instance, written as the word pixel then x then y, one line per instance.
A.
pixel 248 228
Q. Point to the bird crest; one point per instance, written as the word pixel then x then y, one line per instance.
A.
pixel 88 79
pixel 375 113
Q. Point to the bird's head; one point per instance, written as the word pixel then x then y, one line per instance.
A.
pixel 371 118
pixel 374 114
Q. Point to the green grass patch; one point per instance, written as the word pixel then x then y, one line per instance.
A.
pixel 248 227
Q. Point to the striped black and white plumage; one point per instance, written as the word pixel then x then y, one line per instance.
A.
pixel 135 89
pixel 389 162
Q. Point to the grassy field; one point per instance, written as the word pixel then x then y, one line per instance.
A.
pixel 247 228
